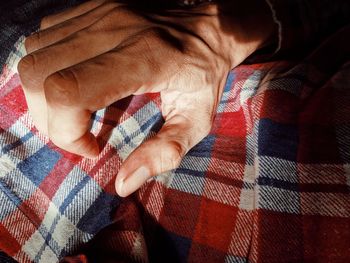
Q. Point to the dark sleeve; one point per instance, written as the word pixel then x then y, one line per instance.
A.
pixel 302 23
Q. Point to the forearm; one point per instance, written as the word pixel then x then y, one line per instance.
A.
pixel 302 23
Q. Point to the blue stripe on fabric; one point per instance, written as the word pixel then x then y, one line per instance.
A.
pixel 49 241
pixel 277 140
pixel 190 172
pixel 278 184
pixel 204 148
pixel 97 215
pixel 6 190
pixel 179 246
pixel 127 138
pixel 37 166
pixel 7 206
pixel 153 120
pixel 73 193
pixel 247 90
pixel 17 143
pixel 231 76
pixel 225 95
pixel 278 199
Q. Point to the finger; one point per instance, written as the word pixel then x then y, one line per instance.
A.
pixel 132 69
pixel 34 94
pixel 90 42
pixel 69 123
pixel 37 66
pixel 95 84
pixel 62 30
pixel 75 11
pixel 161 153
pixel 74 93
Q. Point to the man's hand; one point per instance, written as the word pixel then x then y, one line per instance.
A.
pixel 88 57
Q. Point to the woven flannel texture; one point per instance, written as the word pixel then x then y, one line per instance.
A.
pixel 270 183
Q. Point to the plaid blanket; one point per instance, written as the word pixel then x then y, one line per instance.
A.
pixel 270 183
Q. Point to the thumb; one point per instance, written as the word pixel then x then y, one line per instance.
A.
pixel 159 154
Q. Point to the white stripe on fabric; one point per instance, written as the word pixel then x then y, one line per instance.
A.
pixel 69 183
pixel 279 200
pixel 19 184
pixel 64 229
pixel 235 259
pixel 33 245
pixel 276 168
pixel 48 256
pixel 188 183
pixel 247 199
pixel 50 216
pixel 250 86
pixel 194 163
pixel 12 61
pixel 82 201
pixel 7 206
pixel 6 165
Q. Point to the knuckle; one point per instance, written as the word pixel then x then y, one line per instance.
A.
pixel 32 42
pixel 62 89
pixel 155 33
pixel 28 43
pixel 118 15
pixel 149 39
pixel 45 22
pixel 26 70
pixel 63 141
pixel 111 5
pixel 58 139
pixel 95 3
pixel 25 64
pixel 172 154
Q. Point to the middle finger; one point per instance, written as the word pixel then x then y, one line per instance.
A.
pixel 68 27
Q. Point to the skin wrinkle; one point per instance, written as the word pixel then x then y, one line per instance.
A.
pixel 62 95
pixel 32 75
pixel 75 24
pixel 70 13
pixel 155 69
pixel 183 29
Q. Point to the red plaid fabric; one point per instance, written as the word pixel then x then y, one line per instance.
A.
pixel 270 183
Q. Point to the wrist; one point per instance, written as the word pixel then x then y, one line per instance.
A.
pixel 236 29
pixel 233 30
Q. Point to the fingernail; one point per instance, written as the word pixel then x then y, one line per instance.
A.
pixel 134 181
pixel 119 187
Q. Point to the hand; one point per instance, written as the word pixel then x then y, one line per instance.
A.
pixel 77 64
